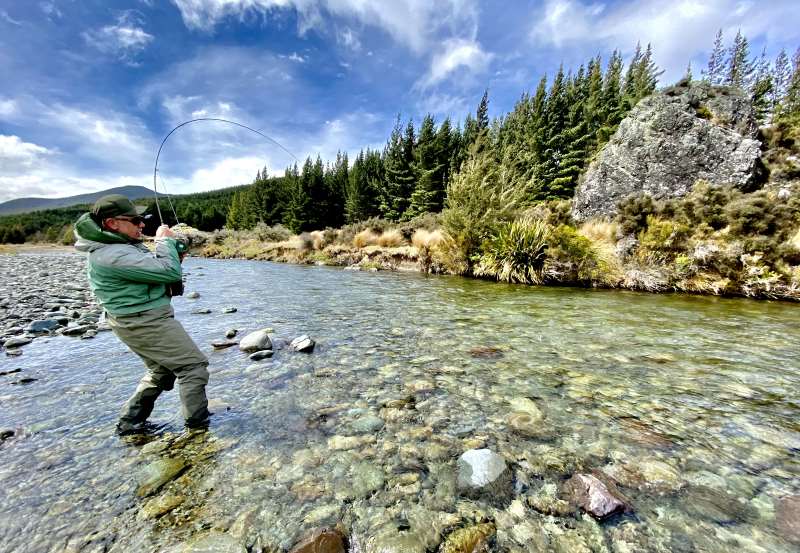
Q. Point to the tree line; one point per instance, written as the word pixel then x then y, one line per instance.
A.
pixel 540 148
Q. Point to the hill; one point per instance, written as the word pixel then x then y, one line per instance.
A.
pixel 24 205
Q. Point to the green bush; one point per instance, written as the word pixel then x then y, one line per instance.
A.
pixel 632 213
pixel 705 205
pixel 275 233
pixel 575 255
pixel 516 252
pixel 663 237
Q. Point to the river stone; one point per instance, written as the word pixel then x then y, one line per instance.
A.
pixel 367 424
pixel 391 540
pixel 160 506
pixel 255 341
pixel 324 540
pixel 6 433
pixel 158 473
pixel 303 344
pixel 261 354
pixel 787 518
pixel 222 344
pixel 525 405
pixel 193 295
pixel 42 326
pixel 213 542
pixel 469 540
pixel 16 342
pixel 717 506
pixel 367 478
pixel 89 334
pixel 483 471
pixel 594 497
pixel 13 352
pixel 231 333
pixel 201 311
pixel 229 310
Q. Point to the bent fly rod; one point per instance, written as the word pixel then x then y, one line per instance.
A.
pixel 161 146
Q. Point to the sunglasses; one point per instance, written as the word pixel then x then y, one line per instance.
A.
pixel 137 220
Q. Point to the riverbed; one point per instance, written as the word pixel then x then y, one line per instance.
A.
pixel 688 404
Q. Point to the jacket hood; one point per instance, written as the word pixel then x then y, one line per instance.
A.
pixel 91 237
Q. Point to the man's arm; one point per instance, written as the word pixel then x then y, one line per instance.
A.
pixel 131 263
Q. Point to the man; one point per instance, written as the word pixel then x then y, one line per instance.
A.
pixel 132 286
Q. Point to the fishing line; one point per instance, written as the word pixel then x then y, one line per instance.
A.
pixel 169 198
pixel 158 155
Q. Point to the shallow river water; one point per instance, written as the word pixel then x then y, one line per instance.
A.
pixel 690 404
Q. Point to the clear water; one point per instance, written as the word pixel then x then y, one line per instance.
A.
pixel 691 403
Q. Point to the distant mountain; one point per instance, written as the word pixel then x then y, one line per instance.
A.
pixel 22 205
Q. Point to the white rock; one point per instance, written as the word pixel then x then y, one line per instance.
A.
pixel 255 341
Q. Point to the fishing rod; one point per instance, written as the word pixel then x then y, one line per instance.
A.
pixel 218 119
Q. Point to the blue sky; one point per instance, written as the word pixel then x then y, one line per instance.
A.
pixel 89 88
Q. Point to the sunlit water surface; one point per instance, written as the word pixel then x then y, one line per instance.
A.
pixel 691 402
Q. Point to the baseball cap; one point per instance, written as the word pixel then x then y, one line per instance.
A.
pixel 115 205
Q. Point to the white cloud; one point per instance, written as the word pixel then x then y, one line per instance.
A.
pixel 8 108
pixel 4 15
pixel 294 56
pixel 348 39
pixel 17 157
pixel 414 23
pixel 50 9
pixel 456 54
pixel 123 40
pixel 445 105
pixel 678 30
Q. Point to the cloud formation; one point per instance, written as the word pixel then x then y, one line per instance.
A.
pixel 124 40
pixel 455 55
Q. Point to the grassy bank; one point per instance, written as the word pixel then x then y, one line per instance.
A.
pixel 714 241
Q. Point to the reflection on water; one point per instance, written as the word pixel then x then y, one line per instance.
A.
pixel 689 403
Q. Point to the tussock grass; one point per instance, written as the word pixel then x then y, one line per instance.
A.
pixel 317 239
pixel 365 238
pixel 391 239
pixel 425 239
pixel 795 241
pixel 598 230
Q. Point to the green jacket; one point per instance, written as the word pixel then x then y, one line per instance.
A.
pixel 124 275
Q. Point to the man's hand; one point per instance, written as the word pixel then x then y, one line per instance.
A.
pixel 164 231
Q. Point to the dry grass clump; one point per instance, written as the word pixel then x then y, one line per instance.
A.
pixel 795 241
pixel 425 239
pixel 598 230
pixel 365 238
pixel 391 239
pixel 317 238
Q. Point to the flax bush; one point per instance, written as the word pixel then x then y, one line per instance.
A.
pixel 516 252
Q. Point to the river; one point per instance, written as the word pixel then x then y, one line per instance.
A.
pixel 689 403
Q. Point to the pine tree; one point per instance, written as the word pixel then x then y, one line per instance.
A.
pixel 646 75
pixel 399 175
pixel 740 69
pixel 714 74
pixel 482 113
pixel 296 200
pixel 781 75
pixel 688 77
pixel 791 104
pixel 427 195
pixel 630 75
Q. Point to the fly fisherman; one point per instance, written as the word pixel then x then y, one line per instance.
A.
pixel 132 285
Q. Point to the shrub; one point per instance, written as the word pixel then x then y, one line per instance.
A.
pixel 516 253
pixel 704 205
pixel 426 241
pixel 317 239
pixel 348 232
pixel 574 257
pixel 391 239
pixel 632 213
pixel 662 237
pixel 305 242
pixel 68 236
pixel 481 196
pixel 266 233
pixel 366 237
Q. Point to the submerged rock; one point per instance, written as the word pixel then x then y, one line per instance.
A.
pixel 787 518
pixel 472 539
pixel 231 333
pixel 594 497
pixel 325 540
pixel 202 311
pixel 262 354
pixel 482 471
pixel 255 341
pixel 193 295
pixel 229 310
pixel 158 473
pixel 303 344
pixel 160 506
pixel 213 542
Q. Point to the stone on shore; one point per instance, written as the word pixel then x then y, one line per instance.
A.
pixel 201 311
pixel 255 341
pixel 193 295
pixel 302 344
pixel 594 497
pixel 231 333
pixel 222 344
pixel 42 326
pixel 17 342
pixel 229 310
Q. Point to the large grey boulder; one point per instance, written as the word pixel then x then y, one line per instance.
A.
pixel 255 341
pixel 668 142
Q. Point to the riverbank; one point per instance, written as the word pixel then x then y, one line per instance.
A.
pixel 590 256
